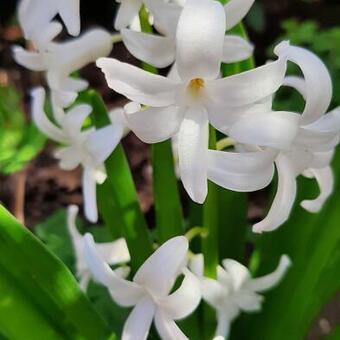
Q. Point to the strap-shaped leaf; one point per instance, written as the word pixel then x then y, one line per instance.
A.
pixel 40 298
pixel 117 197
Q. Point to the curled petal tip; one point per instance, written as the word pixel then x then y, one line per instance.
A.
pixel 101 62
pixel 286 261
pixel 282 47
pixel 310 206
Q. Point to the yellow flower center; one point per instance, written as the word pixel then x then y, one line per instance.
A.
pixel 195 86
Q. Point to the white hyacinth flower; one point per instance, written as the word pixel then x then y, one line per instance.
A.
pixel 76 150
pixel 235 290
pixel 160 51
pixel 60 60
pixel 150 290
pixel 127 12
pixel 309 146
pixel 35 17
pixel 185 106
pixel 114 253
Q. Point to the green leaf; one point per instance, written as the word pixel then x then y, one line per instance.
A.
pixel 124 215
pixel 43 287
pixel 20 141
pixel 169 216
pixel 168 209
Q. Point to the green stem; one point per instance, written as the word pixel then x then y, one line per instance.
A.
pixel 169 218
pixel 120 186
pixel 168 209
pixel 210 242
pixel 210 222
pixel 146 28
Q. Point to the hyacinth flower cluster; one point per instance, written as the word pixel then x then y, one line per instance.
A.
pixel 190 38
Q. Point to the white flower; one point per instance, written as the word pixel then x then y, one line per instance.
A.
pixel 77 150
pixel 149 292
pixel 160 51
pixel 115 252
pixel 128 10
pixel 235 290
pixel 186 106
pixel 60 60
pixel 309 146
pixel 35 17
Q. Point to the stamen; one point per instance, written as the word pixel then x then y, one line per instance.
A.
pixel 195 86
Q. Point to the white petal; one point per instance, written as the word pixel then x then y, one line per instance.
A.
pixel 223 326
pixel 31 60
pixel 249 87
pixel 69 157
pixel 316 141
pixel 101 143
pixel 239 273
pixel 114 252
pixel 223 117
pixel 298 83
pixel 276 129
pixel 70 56
pixel 200 47
pixel 74 84
pixel 249 301
pixel 72 212
pixel 53 29
pixel 77 242
pixel 74 119
pixel 90 195
pixel 34 15
pixel 60 100
pixel 167 328
pixel 69 12
pixel 153 49
pixel 166 16
pixel 184 300
pixel 325 181
pixel 269 281
pixel 138 85
pixel 284 198
pixel 160 270
pixel 192 153
pixel 127 10
pixel 138 323
pixel 196 264
pixel 236 10
pixel 84 281
pixel 322 159
pixel 154 125
pixel 124 292
pixel 40 119
pixel 318 83
pixel 173 73
pixel 214 292
pixel 244 172
pixel 236 49
pixel 328 123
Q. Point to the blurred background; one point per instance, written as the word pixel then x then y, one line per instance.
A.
pixel 34 188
